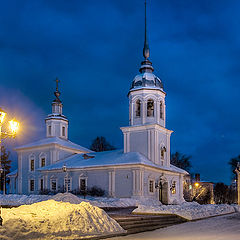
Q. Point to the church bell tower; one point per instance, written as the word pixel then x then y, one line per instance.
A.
pixel 147 113
pixel 56 122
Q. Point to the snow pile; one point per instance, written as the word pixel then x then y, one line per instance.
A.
pixel 236 207
pixel 56 220
pixel 67 197
pixel 190 211
pixel 17 200
pixel 123 202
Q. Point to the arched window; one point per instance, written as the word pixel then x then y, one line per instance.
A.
pixel 150 108
pixel 138 108
pixel 161 110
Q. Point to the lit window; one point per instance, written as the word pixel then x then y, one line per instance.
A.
pixel 32 164
pixel 151 189
pixel 161 110
pixel 43 162
pixel 53 184
pixel 31 185
pixel 63 131
pixel 138 108
pixel 49 130
pixel 173 187
pixel 150 108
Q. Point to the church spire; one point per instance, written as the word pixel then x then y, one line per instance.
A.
pixel 146 65
pixel 146 51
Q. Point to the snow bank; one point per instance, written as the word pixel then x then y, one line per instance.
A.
pixel 56 220
pixel 17 200
pixel 190 211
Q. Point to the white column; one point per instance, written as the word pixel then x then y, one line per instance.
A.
pixel 144 111
pixel 131 113
pixel 111 186
pixel 181 187
pixel 149 144
pixel 134 182
pixel 152 145
pixel 20 173
pixel 125 142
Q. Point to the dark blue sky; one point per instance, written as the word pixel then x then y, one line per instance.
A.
pixel 95 49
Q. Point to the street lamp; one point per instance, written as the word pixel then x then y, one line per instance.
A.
pixel 13 127
pixel 64 168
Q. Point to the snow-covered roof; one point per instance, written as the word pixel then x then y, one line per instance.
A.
pixel 13 173
pixel 54 140
pixel 108 158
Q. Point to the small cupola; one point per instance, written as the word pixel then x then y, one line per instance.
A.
pixel 56 122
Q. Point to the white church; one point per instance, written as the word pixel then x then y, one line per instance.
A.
pixel 141 170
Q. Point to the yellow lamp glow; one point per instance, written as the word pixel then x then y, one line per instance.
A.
pixel 2 115
pixel 14 126
pixel 196 184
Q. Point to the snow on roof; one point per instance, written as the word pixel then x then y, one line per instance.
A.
pixel 12 173
pixel 108 158
pixel 54 140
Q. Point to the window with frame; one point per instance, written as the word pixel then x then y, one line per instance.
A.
pixel 63 131
pixel 53 184
pixel 43 162
pixel 83 184
pixel 31 185
pixel 138 108
pixel 67 184
pixel 151 186
pixel 161 110
pixel 49 130
pixel 32 164
pixel 150 108
pixel 41 184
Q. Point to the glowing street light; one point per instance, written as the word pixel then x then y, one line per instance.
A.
pixel 196 184
pixel 14 126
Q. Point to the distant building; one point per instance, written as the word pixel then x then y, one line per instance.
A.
pixel 142 169
pixel 197 190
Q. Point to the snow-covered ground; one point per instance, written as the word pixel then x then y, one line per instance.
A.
pixel 17 200
pixel 190 211
pixel 218 228
pixel 56 220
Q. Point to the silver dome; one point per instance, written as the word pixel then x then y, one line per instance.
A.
pixel 148 80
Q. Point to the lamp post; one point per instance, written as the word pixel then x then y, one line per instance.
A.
pixel 237 170
pixel 13 125
pixel 64 168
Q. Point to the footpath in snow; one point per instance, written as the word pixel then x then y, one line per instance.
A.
pixel 56 220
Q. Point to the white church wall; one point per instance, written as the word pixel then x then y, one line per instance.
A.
pixel 138 142
pixel 124 183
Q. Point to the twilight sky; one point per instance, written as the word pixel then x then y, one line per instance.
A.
pixel 95 49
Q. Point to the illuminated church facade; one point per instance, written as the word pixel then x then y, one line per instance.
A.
pixel 141 170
